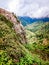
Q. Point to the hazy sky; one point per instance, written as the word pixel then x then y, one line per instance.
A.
pixel 33 8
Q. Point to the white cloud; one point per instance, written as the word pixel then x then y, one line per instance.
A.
pixel 33 8
pixel 13 5
pixel 41 12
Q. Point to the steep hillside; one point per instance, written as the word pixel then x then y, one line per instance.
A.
pixel 40 29
pixel 17 26
pixel 11 40
pixel 43 33
pixel 38 38
pixel 11 50
pixel 13 47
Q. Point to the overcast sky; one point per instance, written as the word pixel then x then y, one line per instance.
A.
pixel 33 8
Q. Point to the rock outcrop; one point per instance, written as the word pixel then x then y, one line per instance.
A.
pixel 17 26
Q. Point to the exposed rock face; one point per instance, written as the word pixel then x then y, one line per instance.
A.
pixel 17 25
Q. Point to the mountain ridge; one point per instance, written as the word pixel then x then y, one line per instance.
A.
pixel 17 26
pixel 25 20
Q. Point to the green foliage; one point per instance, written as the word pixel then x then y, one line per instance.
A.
pixel 5 59
pixel 14 53
pixel 8 39
pixel 34 26
pixel 39 51
pixel 3 18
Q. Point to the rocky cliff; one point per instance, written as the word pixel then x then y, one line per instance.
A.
pixel 12 36
pixel 17 26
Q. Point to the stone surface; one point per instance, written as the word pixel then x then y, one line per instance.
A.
pixel 18 27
